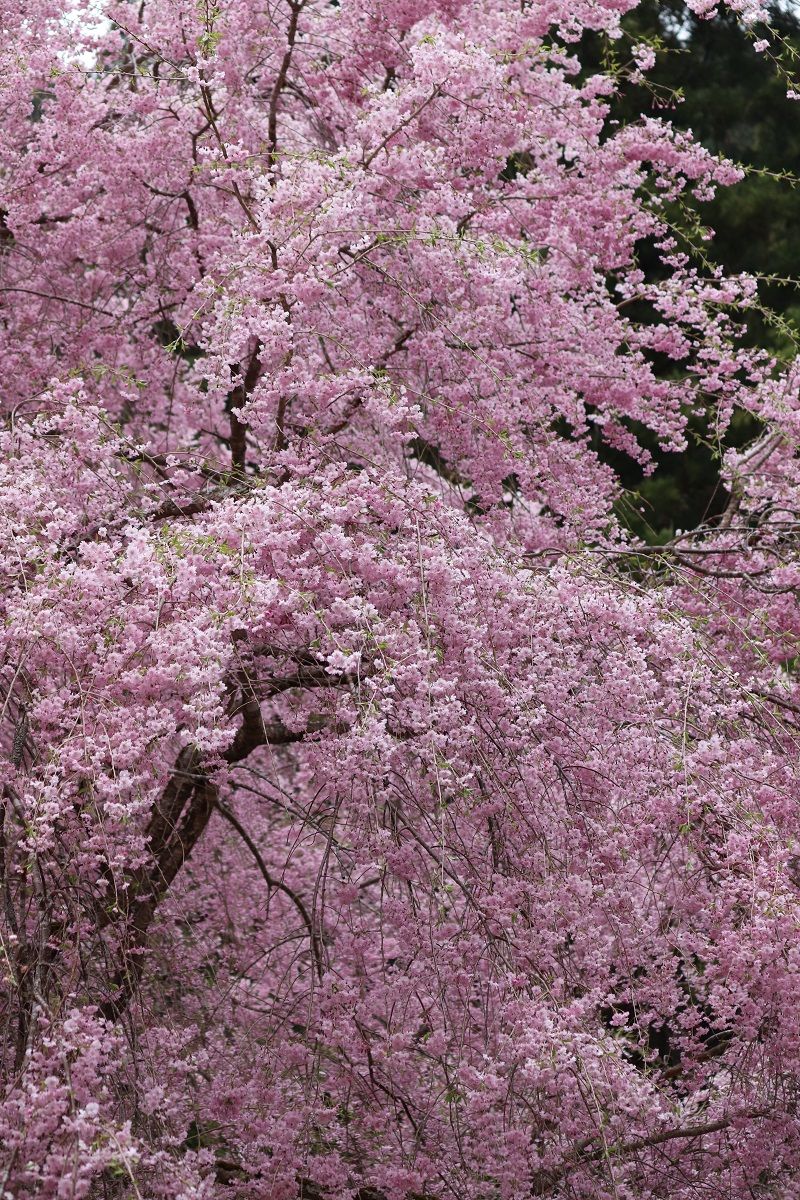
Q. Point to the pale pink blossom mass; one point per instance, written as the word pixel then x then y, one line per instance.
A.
pixel 379 820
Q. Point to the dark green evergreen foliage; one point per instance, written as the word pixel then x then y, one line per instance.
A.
pixel 708 78
pixel 734 101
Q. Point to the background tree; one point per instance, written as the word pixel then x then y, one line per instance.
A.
pixel 707 79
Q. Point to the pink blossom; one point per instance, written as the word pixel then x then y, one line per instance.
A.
pixel 379 819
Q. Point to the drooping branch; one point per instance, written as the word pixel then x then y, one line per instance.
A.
pixel 276 884
pixel 183 810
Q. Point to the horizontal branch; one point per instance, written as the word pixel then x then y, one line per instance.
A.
pixel 548 1180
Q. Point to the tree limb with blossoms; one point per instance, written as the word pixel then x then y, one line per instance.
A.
pixel 378 819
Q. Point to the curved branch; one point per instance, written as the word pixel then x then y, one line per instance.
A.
pixel 275 884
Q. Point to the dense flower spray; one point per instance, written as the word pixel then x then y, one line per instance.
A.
pixel 378 821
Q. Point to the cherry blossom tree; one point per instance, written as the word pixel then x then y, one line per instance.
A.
pixel 379 819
